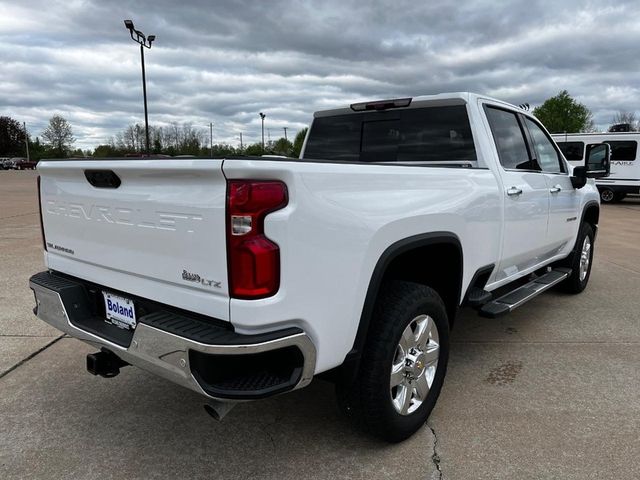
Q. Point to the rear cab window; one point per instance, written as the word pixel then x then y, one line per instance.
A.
pixel 425 135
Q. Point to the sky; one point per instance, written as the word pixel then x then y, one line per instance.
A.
pixel 224 62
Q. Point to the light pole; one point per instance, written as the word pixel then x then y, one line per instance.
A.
pixel 26 139
pixel 145 42
pixel 262 115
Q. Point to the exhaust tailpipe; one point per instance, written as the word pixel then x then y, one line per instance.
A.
pixel 105 363
pixel 218 410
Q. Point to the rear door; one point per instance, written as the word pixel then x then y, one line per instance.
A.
pixel 564 200
pixel 526 195
pixel 157 232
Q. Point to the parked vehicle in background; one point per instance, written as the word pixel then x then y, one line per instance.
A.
pixel 625 165
pixel 244 278
pixel 2 160
pixel 8 164
pixel 24 164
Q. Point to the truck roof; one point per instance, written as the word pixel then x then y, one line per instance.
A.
pixel 451 98
pixel 596 134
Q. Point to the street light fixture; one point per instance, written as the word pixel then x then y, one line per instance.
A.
pixel 262 115
pixel 145 42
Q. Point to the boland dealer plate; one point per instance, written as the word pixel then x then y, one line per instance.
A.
pixel 119 311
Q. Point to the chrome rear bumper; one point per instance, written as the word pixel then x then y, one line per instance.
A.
pixel 161 352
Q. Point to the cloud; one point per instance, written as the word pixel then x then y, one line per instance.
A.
pixel 223 62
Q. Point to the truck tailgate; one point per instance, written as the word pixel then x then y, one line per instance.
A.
pixel 160 234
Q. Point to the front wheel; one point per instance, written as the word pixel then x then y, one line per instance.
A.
pixel 581 261
pixel 607 195
pixel 403 364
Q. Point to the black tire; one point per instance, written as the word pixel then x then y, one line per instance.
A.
pixel 607 195
pixel 574 284
pixel 368 400
pixel 619 197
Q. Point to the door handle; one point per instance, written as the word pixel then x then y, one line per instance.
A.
pixel 555 189
pixel 514 191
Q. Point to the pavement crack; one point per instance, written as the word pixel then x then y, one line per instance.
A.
pixel 435 458
pixel 623 267
pixel 11 335
pixel 26 359
pixel 18 215
pixel 265 429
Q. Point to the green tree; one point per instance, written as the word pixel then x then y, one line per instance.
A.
pixel 298 141
pixel 58 136
pixel 11 138
pixel 282 146
pixel 220 150
pixel 78 153
pixel 563 113
pixel 107 150
pixel 37 150
pixel 254 150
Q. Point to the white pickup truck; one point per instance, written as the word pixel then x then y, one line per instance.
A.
pixel 243 278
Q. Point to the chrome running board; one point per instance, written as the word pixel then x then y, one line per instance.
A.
pixel 512 300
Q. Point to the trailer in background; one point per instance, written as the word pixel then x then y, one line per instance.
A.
pixel 624 178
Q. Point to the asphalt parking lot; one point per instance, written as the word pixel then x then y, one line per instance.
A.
pixel 551 391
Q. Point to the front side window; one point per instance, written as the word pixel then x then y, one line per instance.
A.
pixel 509 138
pixel 546 154
pixel 573 151
pixel 623 150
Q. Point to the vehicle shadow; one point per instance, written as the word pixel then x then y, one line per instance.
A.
pixel 137 425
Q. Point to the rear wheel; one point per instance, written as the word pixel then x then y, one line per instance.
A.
pixel 403 363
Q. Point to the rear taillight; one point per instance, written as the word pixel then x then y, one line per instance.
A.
pixel 44 243
pixel 254 260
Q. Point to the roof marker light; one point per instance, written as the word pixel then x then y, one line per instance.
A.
pixel 381 104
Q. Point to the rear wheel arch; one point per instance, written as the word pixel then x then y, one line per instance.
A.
pixel 402 261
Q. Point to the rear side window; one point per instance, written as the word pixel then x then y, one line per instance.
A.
pixel 572 150
pixel 431 134
pixel 509 138
pixel 623 150
pixel 335 138
pixel 436 134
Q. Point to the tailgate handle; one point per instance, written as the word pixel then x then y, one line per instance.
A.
pixel 102 178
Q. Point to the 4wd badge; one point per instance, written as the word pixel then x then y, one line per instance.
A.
pixel 194 277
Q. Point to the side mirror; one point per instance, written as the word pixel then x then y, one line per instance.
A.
pixel 596 165
pixel 598 160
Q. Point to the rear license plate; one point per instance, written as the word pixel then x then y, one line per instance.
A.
pixel 119 311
